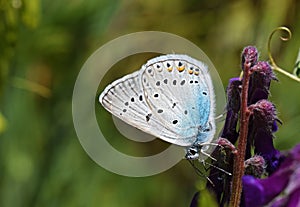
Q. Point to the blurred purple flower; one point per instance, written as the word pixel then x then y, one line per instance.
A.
pixel 282 188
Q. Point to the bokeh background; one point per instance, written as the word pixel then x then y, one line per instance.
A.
pixel 43 45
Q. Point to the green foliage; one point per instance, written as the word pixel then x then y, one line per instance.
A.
pixel 14 14
pixel 206 199
pixel 2 123
pixel 43 45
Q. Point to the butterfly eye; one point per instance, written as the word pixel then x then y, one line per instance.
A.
pixel 180 65
pixel 193 151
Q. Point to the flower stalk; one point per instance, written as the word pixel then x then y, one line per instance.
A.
pixel 238 165
pixel 261 174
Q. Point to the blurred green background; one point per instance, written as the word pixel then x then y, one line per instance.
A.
pixel 43 45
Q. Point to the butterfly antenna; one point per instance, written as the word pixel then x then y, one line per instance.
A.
pixel 216 167
pixel 210 143
pixel 201 173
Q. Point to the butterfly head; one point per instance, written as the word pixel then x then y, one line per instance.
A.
pixel 193 152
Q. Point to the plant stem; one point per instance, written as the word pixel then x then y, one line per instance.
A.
pixel 238 165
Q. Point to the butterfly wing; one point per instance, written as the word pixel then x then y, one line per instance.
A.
pixel 170 98
pixel 124 98
pixel 179 92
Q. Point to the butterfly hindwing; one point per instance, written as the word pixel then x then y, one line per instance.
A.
pixel 179 94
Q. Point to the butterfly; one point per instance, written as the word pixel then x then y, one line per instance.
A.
pixel 171 97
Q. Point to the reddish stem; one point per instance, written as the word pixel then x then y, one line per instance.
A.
pixel 238 165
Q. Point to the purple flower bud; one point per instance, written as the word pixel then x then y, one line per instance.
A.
pixel 282 188
pixel 264 114
pixel 249 56
pixel 233 108
pixel 234 94
pixel 226 144
pixel 260 133
pixel 255 166
pixel 260 81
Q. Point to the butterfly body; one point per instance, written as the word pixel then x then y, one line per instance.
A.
pixel 170 97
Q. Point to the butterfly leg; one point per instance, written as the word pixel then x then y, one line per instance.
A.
pixel 200 173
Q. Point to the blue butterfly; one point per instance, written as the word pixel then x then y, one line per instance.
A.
pixel 171 97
